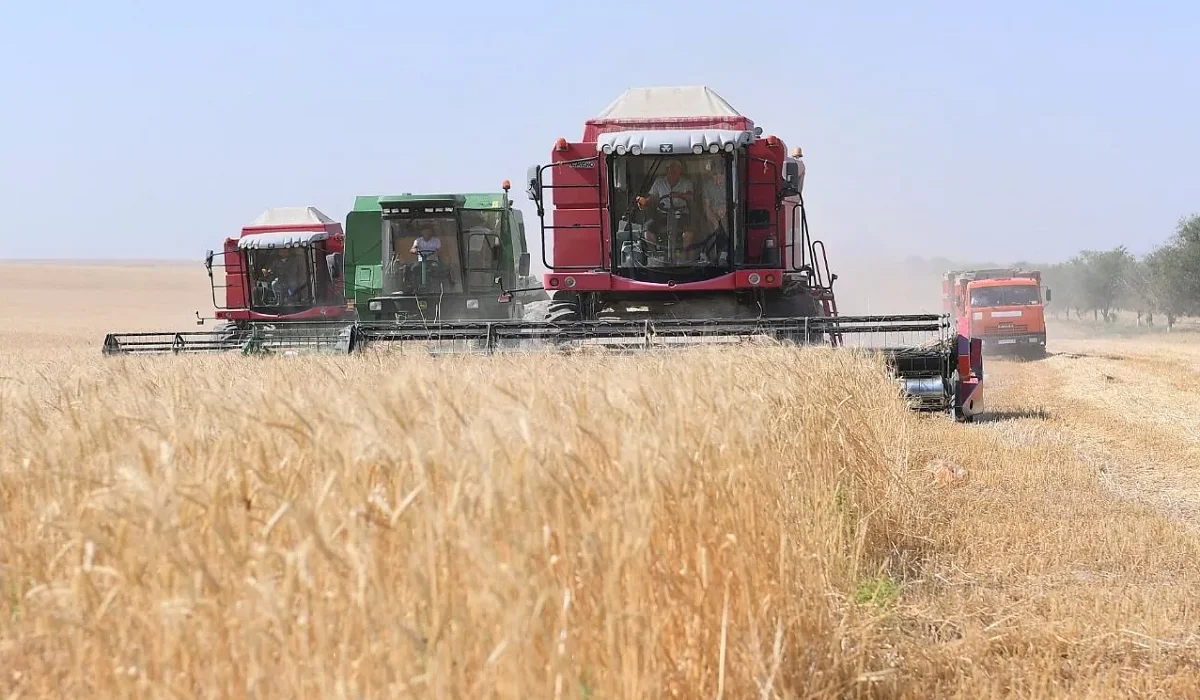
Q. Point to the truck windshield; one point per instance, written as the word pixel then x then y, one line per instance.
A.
pixel 671 211
pixel 281 279
pixel 1016 295
pixel 434 267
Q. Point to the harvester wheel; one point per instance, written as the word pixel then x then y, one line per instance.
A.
pixel 563 309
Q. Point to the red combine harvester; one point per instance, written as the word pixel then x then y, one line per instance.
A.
pixel 673 206
pixel 674 217
pixel 281 280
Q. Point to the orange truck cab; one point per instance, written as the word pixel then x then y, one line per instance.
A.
pixel 1002 307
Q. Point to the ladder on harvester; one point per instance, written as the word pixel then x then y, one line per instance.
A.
pixel 824 282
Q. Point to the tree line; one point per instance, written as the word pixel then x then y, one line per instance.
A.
pixel 1163 284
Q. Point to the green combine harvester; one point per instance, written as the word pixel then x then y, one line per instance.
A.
pixel 437 257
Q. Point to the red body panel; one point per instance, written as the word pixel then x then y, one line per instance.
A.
pixel 236 294
pixel 317 313
pixel 607 282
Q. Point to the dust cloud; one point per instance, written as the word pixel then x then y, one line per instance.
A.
pixel 887 285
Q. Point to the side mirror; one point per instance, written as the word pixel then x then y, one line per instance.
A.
pixel 793 175
pixel 208 258
pixel 523 265
pixel 534 178
pixel 1047 294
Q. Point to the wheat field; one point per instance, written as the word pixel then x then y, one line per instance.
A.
pixel 766 522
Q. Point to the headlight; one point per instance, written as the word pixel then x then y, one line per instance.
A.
pixel 375 306
pixel 472 303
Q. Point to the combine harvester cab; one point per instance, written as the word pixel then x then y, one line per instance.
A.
pixel 471 251
pixel 676 221
pixel 277 286
pixel 1002 307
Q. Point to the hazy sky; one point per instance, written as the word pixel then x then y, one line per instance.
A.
pixel 156 129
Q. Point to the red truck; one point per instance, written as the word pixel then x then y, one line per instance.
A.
pixel 1003 307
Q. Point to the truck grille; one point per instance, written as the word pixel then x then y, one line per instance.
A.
pixel 1012 329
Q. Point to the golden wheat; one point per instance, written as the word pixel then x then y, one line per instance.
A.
pixel 758 522
pixel 520 527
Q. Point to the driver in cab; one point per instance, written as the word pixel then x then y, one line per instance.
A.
pixel 426 247
pixel 673 185
pixel 678 192
pixel 286 271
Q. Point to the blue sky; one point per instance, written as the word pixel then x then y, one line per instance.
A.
pixel 1026 130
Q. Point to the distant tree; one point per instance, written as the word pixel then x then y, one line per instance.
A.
pixel 1172 273
pixel 1101 279
pixel 1066 281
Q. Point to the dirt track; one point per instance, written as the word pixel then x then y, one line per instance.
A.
pixel 1129 405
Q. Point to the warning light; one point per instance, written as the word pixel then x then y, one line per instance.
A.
pixel 560 144
pixel 506 185
pixel 773 141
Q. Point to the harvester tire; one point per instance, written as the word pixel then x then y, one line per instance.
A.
pixel 563 309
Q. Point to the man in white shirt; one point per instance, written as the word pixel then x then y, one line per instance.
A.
pixel 678 193
pixel 427 246
pixel 674 184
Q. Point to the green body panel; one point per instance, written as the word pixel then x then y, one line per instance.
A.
pixel 363 263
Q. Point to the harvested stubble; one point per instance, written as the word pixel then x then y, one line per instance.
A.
pixel 685 525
